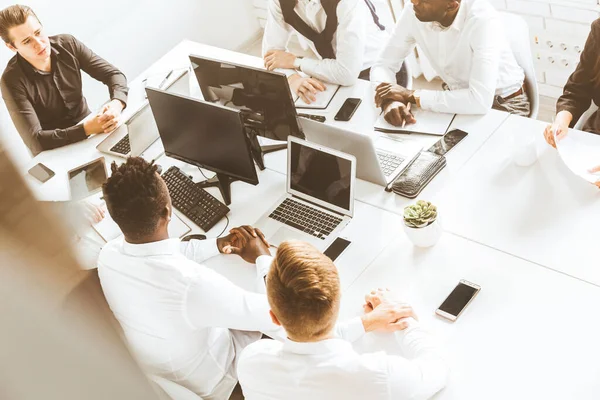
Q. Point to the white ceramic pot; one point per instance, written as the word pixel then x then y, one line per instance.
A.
pixel 424 237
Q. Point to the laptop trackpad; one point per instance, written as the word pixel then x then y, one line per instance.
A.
pixel 284 233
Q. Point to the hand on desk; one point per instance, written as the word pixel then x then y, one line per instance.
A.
pixel 560 126
pixel 92 213
pixel 245 241
pixel 104 121
pixel 593 171
pixel 398 114
pixel 109 115
pixel 279 59
pixel 385 313
pixel 306 88
pixel 392 92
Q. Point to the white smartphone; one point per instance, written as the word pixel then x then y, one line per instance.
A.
pixel 458 300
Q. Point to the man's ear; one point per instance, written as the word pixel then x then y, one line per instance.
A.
pixel 453 5
pixel 11 47
pixel 167 212
pixel 274 318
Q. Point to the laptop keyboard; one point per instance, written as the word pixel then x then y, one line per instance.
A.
pixel 122 146
pixel 389 162
pixel 305 218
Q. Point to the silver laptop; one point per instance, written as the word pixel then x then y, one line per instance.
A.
pixel 319 201
pixel 380 160
pixel 138 133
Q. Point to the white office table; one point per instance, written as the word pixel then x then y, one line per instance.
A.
pixel 529 334
pixel 542 213
pixel 370 230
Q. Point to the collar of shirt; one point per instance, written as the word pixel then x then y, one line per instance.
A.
pixel 321 347
pixel 30 70
pixel 160 248
pixel 456 25
pixel 309 5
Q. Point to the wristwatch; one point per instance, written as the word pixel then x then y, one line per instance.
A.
pixel 297 62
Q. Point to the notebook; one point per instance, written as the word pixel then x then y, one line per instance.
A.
pixel 323 98
pixel 428 123
pixel 109 230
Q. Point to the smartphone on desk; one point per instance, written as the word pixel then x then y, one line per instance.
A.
pixel 41 172
pixel 447 142
pixel 458 300
pixel 336 248
pixel 348 109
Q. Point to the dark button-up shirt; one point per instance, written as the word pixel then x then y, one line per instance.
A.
pixel 583 85
pixel 47 108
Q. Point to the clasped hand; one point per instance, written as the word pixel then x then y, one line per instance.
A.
pixel 384 312
pixel 395 103
pixel 245 241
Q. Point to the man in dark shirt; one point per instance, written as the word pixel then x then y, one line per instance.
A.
pixel 42 85
pixel 581 89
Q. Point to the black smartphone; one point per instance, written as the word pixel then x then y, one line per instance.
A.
pixel 336 248
pixel 458 300
pixel 41 172
pixel 347 109
pixel 447 142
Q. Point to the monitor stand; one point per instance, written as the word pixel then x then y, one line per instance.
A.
pixel 259 151
pixel 223 182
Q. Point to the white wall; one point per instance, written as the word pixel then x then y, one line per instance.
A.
pixel 132 34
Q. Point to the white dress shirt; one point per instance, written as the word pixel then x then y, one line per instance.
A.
pixel 472 56
pixel 331 369
pixel 356 42
pixel 178 315
pixel 184 321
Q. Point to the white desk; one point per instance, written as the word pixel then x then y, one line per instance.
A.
pixel 530 333
pixel 370 231
pixel 479 128
pixel 543 213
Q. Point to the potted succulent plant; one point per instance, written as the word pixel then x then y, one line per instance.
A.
pixel 421 224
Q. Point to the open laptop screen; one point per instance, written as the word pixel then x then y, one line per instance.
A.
pixel 321 175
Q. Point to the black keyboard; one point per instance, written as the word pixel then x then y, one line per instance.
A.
pixel 305 218
pixel 123 146
pixel 193 201
pixel 389 162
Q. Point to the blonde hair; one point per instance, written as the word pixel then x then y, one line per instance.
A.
pixel 303 288
pixel 12 16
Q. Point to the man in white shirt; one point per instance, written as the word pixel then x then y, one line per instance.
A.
pixel 182 321
pixel 345 37
pixel 304 294
pixel 465 42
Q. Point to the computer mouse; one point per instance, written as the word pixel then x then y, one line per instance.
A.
pixel 195 236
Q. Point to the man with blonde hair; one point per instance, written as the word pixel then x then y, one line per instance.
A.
pixel 303 290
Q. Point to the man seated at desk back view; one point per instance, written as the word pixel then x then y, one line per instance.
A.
pixel 345 37
pixel 466 44
pixel 303 289
pixel 182 320
pixel 42 85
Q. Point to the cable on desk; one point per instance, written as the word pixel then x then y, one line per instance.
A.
pixel 224 229
pixel 200 169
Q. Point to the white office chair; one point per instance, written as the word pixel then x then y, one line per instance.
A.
pixel 586 115
pixel 517 33
pixel 173 390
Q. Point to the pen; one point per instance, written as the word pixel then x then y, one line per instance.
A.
pixel 165 80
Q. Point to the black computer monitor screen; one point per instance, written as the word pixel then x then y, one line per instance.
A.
pixel 263 96
pixel 320 175
pixel 203 134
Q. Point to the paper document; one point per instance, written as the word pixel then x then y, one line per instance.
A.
pixel 580 151
pixel 428 122
pixel 323 98
pixel 109 230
